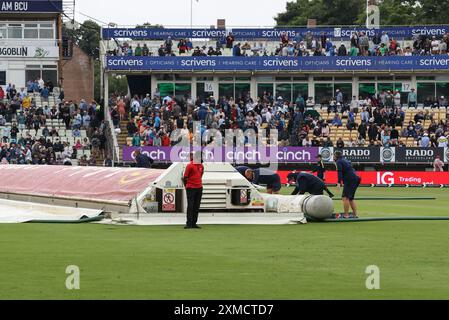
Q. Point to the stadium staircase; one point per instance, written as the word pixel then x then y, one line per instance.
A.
pixel 122 138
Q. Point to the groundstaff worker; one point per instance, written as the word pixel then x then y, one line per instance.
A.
pixel 242 169
pixel 266 177
pixel 320 169
pixel 350 180
pixel 193 183
pixel 308 183
pixel 142 160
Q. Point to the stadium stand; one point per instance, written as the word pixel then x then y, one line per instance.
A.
pixel 359 45
pixel 382 114
pixel 361 123
pixel 37 126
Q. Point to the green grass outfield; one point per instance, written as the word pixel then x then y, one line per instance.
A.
pixel 314 261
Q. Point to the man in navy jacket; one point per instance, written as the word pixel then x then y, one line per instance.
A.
pixel 350 180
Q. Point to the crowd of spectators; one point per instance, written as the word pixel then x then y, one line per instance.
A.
pixel 360 44
pixel 30 136
pixel 378 121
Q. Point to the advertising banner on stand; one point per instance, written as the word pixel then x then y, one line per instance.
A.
pixel 369 155
pixel 418 155
pixel 343 64
pixel 284 155
pixel 267 34
pixel 247 155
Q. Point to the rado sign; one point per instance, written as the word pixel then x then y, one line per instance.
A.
pixel 371 155
pixel 418 155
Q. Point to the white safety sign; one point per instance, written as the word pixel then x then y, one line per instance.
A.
pixel 169 200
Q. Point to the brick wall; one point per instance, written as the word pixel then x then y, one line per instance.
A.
pixel 78 74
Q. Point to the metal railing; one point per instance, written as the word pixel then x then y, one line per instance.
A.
pixel 112 147
pixel 187 27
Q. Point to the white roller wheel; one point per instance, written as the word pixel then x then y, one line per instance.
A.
pixel 318 207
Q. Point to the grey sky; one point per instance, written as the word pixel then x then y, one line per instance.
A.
pixel 177 12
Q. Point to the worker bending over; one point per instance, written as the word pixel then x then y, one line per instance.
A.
pixel 308 183
pixel 262 176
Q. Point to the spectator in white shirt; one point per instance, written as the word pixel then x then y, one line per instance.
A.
pixel 351 143
pixel 364 115
pixel 310 102
pixel 325 130
pixel 443 47
pixel 23 93
pixel 435 45
pixel 268 116
pixel 47 111
pixel 385 39
pixel 354 103
pixel 67 153
pixel 285 51
pixel 397 99
pixel 367 102
pixel 306 142
pixel 442 141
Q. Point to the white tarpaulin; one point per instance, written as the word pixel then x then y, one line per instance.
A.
pixel 19 212
pixel 207 219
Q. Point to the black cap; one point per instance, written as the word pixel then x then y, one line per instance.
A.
pixel 338 154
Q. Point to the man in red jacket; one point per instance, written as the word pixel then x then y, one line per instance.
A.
pixel 194 186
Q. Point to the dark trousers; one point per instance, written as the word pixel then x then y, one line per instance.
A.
pixel 193 205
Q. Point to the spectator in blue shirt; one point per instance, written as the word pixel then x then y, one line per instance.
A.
pixel 351 125
pixel 77 122
pixel 157 122
pixel 291 50
pixel 425 141
pixel 329 45
pixel 412 99
pixel 30 86
pixel 86 120
pixel 35 87
pixel 350 180
pixel 202 113
pixel 45 93
pixel 76 133
pixel 337 121
pixel 83 105
pixel 236 51
pixel 298 37
pixel 332 52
